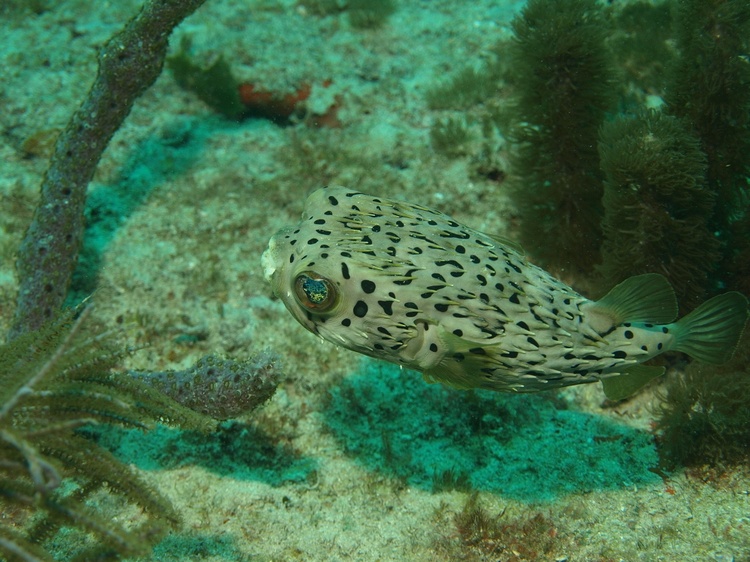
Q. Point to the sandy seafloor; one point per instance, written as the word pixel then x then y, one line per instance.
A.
pixel 339 464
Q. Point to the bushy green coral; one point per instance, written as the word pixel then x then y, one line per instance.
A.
pixel 657 204
pixel 468 87
pixel 563 76
pixel 449 136
pixel 369 14
pixel 709 85
pixel 641 44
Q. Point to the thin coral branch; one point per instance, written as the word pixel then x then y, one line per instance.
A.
pixel 128 64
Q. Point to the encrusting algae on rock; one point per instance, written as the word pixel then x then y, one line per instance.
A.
pixel 410 285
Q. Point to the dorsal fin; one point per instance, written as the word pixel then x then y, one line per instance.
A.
pixel 643 298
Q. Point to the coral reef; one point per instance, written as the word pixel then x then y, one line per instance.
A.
pixel 219 388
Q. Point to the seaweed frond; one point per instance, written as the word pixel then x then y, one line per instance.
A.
pixel 657 204
pixel 54 381
pixel 564 83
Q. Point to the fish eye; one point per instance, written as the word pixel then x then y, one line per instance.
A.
pixel 314 292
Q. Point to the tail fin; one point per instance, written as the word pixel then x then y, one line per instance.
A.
pixel 710 333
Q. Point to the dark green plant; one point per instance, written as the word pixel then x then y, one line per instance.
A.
pixel 53 382
pixel 215 85
pixel 564 82
pixel 709 85
pixel 468 87
pixel 323 7
pixel 641 45
pixel 704 417
pixel 657 204
pixel 369 14
pixel 449 136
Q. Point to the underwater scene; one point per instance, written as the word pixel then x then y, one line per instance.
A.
pixel 375 280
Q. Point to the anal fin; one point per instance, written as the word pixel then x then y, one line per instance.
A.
pixel 630 381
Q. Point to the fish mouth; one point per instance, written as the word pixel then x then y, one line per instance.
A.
pixel 270 260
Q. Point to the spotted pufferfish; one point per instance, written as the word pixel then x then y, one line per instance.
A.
pixel 410 285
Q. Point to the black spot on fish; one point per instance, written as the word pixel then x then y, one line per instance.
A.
pixel 433 347
pixel 665 330
pixel 332 200
pixel 360 309
pixel 478 351
pixel 474 259
pixel 514 266
pixel 291 258
pixel 345 271
pixel 458 356
pixel 509 354
pixel 659 346
pixel 367 240
pixel 523 325
pixel 346 322
pixel 454 263
pixel 482 280
pixel 628 335
pixel 500 287
pixel 458 332
pixel 376 228
pixel 441 307
pixel 438 277
pixel 532 341
pixel 514 298
pixel 484 297
pixel 457 273
pixel 323 232
pixel 387 307
pixel 460 249
pixel 619 354
pixel 320 221
pixel 569 356
pixel 368 286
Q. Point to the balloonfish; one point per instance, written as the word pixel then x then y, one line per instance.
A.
pixel 412 286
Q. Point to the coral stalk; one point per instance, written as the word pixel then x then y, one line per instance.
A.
pixel 128 64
